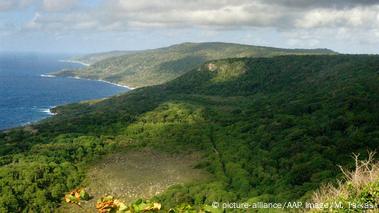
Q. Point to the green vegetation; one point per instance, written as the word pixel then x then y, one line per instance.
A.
pixel 152 67
pixel 271 129
pixel 96 57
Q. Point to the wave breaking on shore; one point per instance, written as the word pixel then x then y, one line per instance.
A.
pixel 48 111
pixel 119 85
pixel 79 78
pixel 75 62
pixel 104 81
pixel 47 76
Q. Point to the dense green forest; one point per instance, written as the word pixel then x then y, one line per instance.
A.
pixel 270 129
pixel 156 66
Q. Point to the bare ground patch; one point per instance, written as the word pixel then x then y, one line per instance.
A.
pixel 137 174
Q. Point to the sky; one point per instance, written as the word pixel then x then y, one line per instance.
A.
pixel 84 26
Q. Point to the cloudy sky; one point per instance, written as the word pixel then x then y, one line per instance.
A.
pixel 348 26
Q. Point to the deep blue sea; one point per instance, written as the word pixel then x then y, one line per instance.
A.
pixel 26 96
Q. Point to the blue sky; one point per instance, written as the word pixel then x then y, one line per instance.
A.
pixel 81 26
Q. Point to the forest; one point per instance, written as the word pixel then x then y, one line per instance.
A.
pixel 269 129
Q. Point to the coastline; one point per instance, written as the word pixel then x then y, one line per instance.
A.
pixel 74 62
pixel 88 79
pixel 48 111
pixel 104 81
pixel 119 85
pixel 77 77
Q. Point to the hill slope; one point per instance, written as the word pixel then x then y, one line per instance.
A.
pixel 96 57
pixel 269 129
pixel 151 67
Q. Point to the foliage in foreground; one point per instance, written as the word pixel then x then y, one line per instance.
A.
pixel 359 192
pixel 110 204
pixel 76 196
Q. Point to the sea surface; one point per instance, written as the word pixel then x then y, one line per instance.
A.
pixel 27 94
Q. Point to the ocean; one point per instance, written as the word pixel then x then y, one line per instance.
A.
pixel 27 94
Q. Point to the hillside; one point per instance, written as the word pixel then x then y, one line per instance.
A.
pixel 152 67
pixel 96 57
pixel 268 129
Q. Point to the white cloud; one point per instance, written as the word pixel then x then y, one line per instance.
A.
pixel 47 5
pixel 6 4
pixel 354 17
pixel 301 22
pixel 56 23
pixel 58 5
pixel 233 13
pixel 121 15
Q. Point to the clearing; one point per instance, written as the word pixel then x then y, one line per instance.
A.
pixel 137 174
